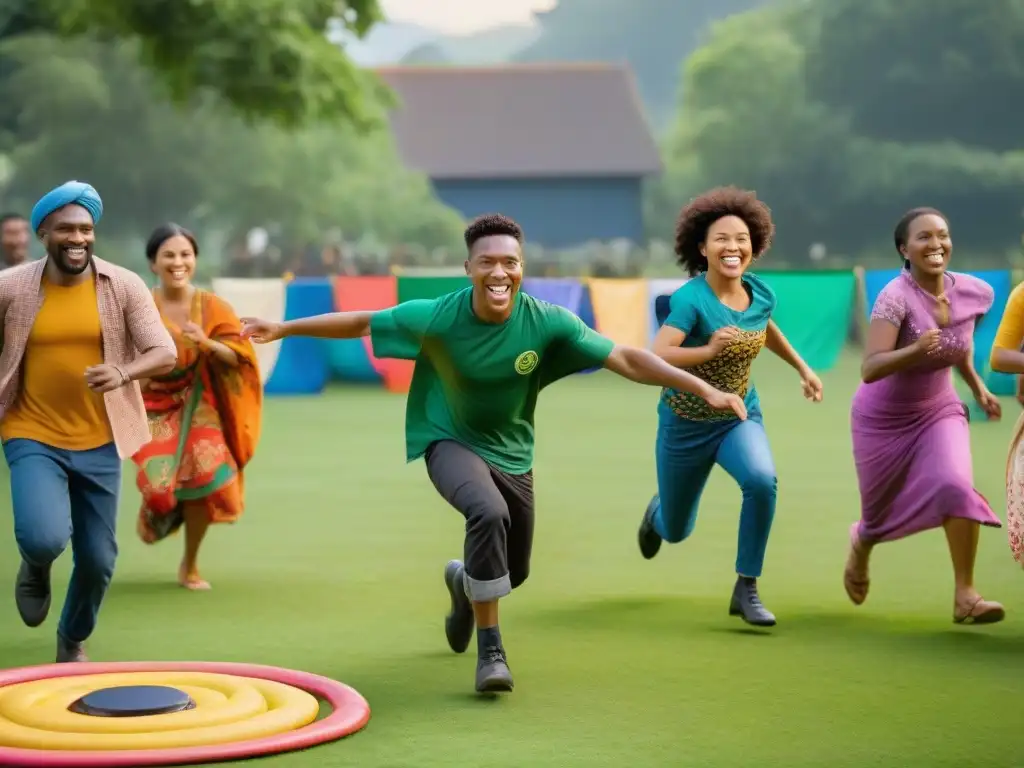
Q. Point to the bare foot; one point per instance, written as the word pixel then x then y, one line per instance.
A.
pixel 190 579
pixel 144 533
pixel 855 577
pixel 971 608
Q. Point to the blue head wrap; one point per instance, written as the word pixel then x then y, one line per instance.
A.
pixel 68 193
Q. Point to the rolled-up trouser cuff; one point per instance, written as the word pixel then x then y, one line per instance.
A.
pixel 486 591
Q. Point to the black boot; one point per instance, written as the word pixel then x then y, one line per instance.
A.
pixel 648 538
pixel 747 604
pixel 458 624
pixel 32 594
pixel 492 672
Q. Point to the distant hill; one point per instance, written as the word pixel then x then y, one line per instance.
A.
pixel 387 43
pixel 492 46
pixel 400 43
pixel 654 37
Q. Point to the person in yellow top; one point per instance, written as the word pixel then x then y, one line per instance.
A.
pixel 1007 357
pixel 78 334
pixel 65 341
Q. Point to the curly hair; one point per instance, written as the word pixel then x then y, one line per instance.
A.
pixel 490 225
pixel 697 217
pixel 902 231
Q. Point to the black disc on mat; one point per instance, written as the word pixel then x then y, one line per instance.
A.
pixel 133 701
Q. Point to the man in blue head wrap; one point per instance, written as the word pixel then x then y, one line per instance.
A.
pixel 79 333
pixel 77 206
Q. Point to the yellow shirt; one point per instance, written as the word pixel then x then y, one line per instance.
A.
pixel 1011 328
pixel 54 405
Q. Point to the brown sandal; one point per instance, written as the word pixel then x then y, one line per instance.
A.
pixel 856 584
pixel 982 611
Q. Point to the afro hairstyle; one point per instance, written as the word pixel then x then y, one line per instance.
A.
pixel 700 213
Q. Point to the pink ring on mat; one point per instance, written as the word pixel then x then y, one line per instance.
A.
pixel 351 713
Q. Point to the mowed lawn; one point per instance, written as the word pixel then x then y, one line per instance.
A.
pixel 336 569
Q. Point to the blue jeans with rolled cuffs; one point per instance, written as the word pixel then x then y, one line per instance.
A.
pixel 62 497
pixel 685 454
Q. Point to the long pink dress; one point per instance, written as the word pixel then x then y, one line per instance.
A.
pixel 911 442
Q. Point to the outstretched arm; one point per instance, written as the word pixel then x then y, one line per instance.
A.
pixel 335 325
pixel 396 332
pixel 645 367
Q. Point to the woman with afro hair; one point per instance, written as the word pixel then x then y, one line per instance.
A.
pixel 717 324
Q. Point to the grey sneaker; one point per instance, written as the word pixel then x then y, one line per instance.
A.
pixel 746 604
pixel 492 672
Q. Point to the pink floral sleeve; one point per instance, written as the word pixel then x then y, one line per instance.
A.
pixel 890 306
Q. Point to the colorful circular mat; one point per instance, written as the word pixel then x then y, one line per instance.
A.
pixel 95 714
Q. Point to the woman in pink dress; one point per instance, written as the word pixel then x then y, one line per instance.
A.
pixel 910 436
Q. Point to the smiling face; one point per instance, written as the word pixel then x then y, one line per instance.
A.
pixel 495 266
pixel 727 247
pixel 68 236
pixel 175 262
pixel 929 246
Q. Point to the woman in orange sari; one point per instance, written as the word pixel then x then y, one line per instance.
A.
pixel 204 416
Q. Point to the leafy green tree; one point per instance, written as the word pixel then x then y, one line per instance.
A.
pixel 746 121
pixel 87 112
pixel 751 118
pixel 91 111
pixel 654 36
pixel 923 70
pixel 266 58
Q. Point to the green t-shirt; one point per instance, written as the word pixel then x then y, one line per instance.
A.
pixel 476 382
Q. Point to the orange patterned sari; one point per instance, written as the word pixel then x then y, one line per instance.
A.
pixel 204 418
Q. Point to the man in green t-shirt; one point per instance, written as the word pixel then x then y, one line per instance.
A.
pixel 482 356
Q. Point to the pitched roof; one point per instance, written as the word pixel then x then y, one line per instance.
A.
pixel 521 121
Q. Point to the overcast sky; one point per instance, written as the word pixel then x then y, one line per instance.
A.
pixel 462 16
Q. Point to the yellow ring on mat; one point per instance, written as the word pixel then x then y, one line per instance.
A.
pixel 44 704
pixel 35 715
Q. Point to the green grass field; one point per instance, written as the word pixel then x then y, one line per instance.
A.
pixel 336 569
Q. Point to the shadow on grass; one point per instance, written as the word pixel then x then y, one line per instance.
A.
pixel 134 586
pixel 687 617
pixel 748 631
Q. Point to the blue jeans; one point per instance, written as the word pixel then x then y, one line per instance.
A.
pixel 62 496
pixel 685 453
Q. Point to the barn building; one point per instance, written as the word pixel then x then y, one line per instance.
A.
pixel 562 148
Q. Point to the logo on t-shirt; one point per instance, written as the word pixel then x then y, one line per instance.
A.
pixel 526 362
